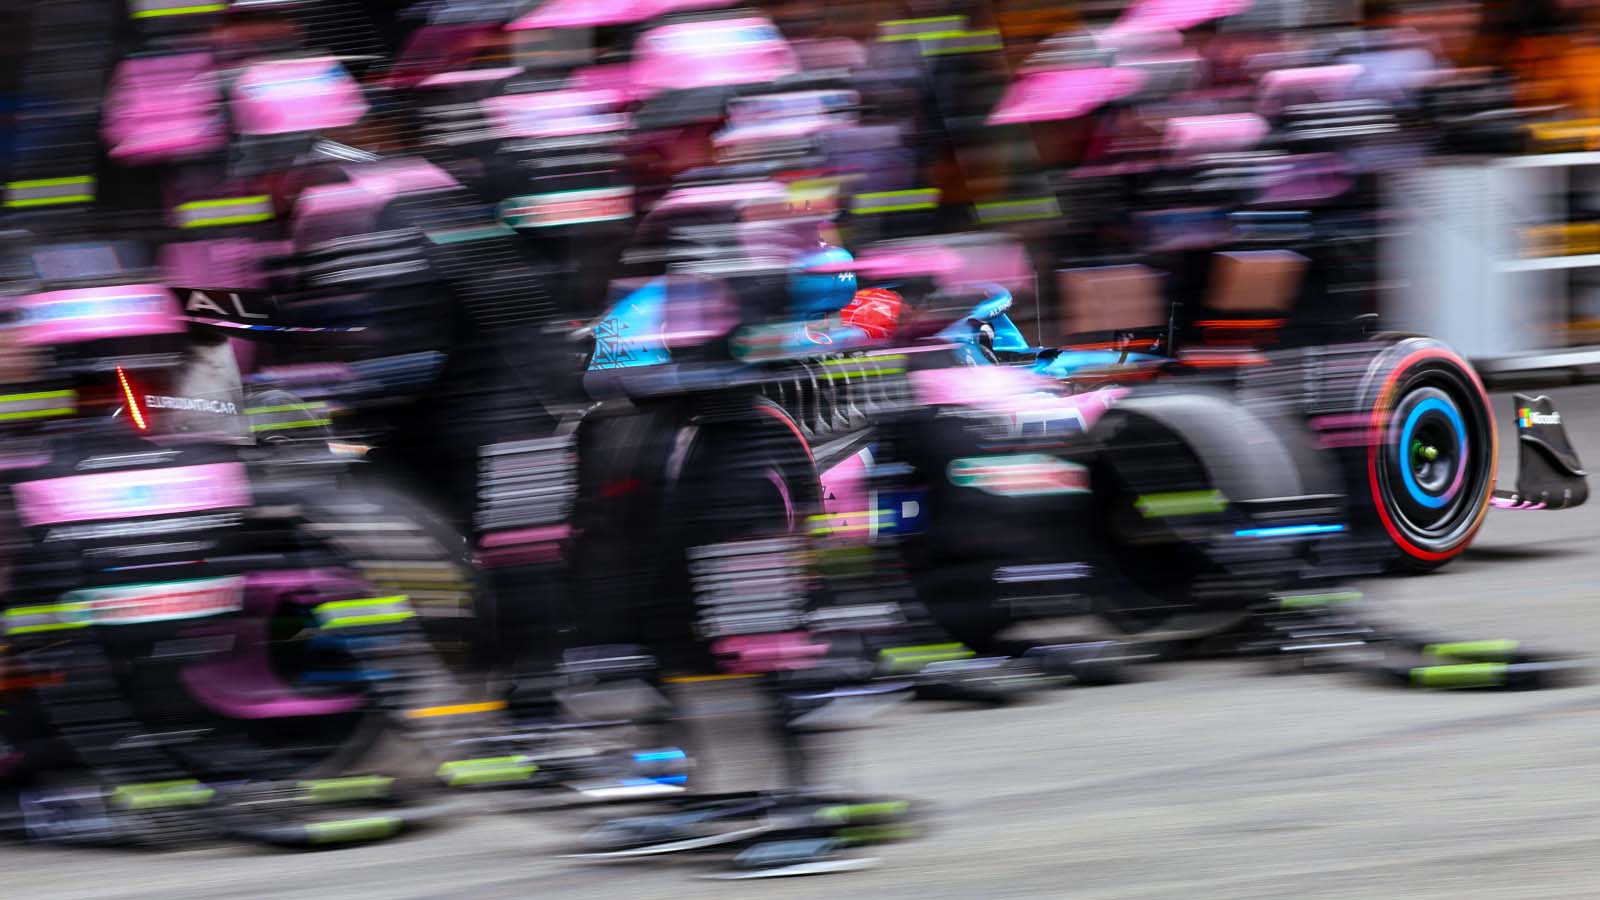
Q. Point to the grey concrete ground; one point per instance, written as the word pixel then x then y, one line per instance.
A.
pixel 1203 780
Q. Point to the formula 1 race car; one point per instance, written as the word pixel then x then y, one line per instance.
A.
pixel 742 403
pixel 1406 419
pixel 1248 255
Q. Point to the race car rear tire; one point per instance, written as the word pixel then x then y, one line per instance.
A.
pixel 654 484
pixel 1178 477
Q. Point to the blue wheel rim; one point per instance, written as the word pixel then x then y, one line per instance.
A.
pixel 1422 497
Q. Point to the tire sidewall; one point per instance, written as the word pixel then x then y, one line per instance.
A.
pixel 1406 366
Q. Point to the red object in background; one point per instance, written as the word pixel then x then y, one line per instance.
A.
pixel 875 311
pixel 133 402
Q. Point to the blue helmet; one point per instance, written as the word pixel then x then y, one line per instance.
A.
pixel 817 294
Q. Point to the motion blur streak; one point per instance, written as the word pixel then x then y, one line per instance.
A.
pixel 131 402
pixel 597 407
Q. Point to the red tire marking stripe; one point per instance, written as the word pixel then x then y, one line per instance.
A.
pixel 1375 446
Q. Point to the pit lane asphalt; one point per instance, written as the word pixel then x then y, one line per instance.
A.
pixel 1201 780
